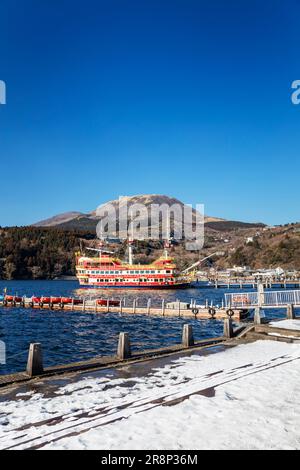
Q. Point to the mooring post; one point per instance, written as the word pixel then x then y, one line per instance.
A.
pixel 257 316
pixel 148 306
pixel 121 305
pixel 228 328
pixel 107 305
pixel 35 360
pixel 83 305
pixel 134 306
pixel 124 349
pixel 187 336
pixel 290 312
pixel 163 307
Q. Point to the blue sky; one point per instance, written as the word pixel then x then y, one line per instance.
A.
pixel 187 98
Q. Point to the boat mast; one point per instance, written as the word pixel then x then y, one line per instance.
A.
pixel 101 243
pixel 167 239
pixel 130 243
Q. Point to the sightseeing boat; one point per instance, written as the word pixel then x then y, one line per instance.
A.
pixel 107 271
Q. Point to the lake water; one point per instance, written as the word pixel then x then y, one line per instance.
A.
pixel 75 336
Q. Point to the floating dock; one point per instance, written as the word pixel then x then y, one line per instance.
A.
pixel 174 309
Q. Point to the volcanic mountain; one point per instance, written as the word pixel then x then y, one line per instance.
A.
pixel 89 221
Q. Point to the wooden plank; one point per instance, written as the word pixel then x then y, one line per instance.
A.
pixel 266 329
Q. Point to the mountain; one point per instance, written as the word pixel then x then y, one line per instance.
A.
pixel 58 219
pixel 89 221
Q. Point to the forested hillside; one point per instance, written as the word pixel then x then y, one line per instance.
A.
pixel 37 253
pixel 48 253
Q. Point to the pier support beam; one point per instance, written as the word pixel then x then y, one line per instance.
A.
pixel 257 316
pixel 148 306
pixel 35 360
pixel 187 336
pixel 228 328
pixel 290 312
pixel 124 349
pixel 260 293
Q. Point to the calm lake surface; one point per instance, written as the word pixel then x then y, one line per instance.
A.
pixel 74 336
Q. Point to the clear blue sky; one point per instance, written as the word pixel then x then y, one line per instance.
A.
pixel 187 98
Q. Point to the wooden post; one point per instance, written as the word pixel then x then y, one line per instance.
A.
pixel 163 307
pixel 121 305
pixel 95 307
pixel 179 308
pixel 228 328
pixel 257 316
pixel 290 312
pixel 124 349
pixel 83 304
pixel 148 306
pixel 35 360
pixel 107 306
pixel 187 336
pixel 134 306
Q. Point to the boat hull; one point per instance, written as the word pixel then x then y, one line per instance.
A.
pixel 162 287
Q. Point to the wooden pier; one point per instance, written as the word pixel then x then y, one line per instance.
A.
pixel 260 329
pixel 179 309
pixel 123 356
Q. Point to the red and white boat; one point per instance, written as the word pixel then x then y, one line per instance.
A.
pixel 107 271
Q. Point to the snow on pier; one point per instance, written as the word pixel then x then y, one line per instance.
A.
pixel 218 401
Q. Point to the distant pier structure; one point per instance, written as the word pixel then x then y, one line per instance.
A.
pixel 248 283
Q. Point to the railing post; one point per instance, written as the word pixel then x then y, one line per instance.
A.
pixel 35 360
pixel 187 336
pixel 228 328
pixel 290 312
pixel 257 316
pixel 124 349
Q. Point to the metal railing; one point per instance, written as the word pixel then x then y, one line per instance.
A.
pixel 267 299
